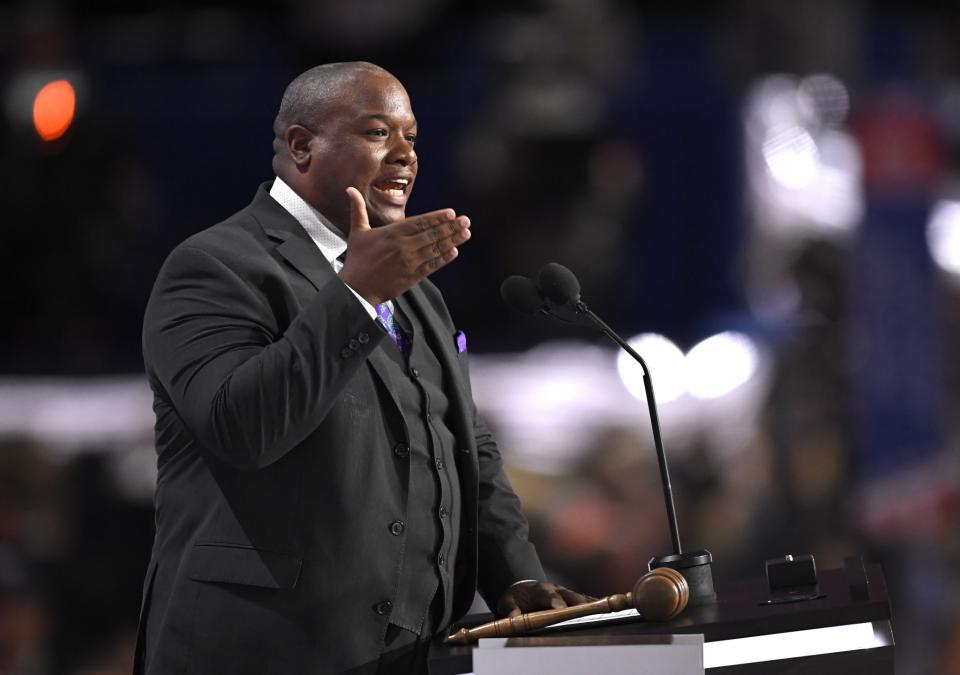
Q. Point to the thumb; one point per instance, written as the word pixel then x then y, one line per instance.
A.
pixel 358 210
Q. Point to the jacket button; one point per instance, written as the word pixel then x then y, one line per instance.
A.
pixel 363 338
pixel 401 450
pixel 465 451
pixel 397 527
pixel 441 561
pixel 443 511
pixel 414 373
pixel 353 344
pixel 440 464
pixel 383 607
pixel 346 352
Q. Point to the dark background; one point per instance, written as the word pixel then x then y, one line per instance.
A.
pixel 613 137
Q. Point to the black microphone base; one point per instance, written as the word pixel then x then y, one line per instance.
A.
pixel 696 568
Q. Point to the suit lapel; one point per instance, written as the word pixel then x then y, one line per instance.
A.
pixel 294 244
pixel 305 257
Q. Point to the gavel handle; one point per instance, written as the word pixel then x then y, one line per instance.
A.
pixel 524 623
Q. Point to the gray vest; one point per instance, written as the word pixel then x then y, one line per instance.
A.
pixel 432 526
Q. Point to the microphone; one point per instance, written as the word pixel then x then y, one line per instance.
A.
pixel 522 295
pixel 562 290
pixel 559 284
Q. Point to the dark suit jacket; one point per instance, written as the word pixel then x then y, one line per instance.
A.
pixel 279 473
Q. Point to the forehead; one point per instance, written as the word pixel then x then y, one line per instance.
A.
pixel 373 95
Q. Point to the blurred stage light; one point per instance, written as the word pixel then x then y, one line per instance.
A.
pixel 826 99
pixel 53 109
pixel 666 363
pixel 803 168
pixel 721 363
pixel 943 235
pixel 791 156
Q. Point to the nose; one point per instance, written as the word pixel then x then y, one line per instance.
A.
pixel 402 153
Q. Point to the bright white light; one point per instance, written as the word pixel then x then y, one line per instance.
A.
pixel 792 645
pixel 720 364
pixel 791 155
pixel 827 97
pixel 943 235
pixel 666 364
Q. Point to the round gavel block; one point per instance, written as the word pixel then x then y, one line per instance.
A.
pixel 661 594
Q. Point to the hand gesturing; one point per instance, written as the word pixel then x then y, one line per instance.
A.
pixel 384 262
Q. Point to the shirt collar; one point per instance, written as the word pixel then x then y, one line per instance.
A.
pixel 330 242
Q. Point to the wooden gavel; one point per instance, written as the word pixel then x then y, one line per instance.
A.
pixel 659 595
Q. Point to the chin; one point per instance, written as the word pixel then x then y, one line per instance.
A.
pixel 385 217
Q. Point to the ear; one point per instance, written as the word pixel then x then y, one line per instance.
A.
pixel 298 140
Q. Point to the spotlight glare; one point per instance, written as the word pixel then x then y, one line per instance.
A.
pixel 666 363
pixel 53 109
pixel 943 235
pixel 791 155
pixel 721 363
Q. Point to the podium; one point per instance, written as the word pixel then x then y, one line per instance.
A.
pixel 845 629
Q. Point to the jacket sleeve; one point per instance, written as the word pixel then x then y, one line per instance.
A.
pixel 246 386
pixel 504 549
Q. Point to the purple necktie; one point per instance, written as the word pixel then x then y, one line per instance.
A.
pixel 393 329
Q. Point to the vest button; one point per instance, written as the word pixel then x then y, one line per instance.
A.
pixel 440 464
pixel 414 373
pixel 363 338
pixel 383 607
pixel 465 451
pixel 397 527
pixel 441 561
pixel 443 511
pixel 401 450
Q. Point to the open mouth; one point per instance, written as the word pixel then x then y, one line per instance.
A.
pixel 396 187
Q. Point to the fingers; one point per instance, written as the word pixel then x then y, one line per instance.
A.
pixel 556 602
pixel 427 221
pixel 358 210
pixel 438 261
pixel 572 597
pixel 508 606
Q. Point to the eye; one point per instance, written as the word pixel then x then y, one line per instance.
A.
pixel 382 133
pixel 411 138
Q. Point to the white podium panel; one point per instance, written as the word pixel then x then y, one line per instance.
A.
pixel 607 655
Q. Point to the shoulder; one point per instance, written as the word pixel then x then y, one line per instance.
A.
pixel 231 237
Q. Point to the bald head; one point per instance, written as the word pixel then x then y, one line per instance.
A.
pixel 310 95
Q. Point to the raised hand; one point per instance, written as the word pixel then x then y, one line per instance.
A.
pixel 384 262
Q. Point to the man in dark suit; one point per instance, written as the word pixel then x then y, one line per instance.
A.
pixel 328 498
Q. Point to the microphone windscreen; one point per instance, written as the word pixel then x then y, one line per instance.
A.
pixel 521 294
pixel 559 284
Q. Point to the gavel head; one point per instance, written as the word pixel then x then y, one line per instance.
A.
pixel 660 594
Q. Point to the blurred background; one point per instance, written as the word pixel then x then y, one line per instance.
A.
pixel 766 196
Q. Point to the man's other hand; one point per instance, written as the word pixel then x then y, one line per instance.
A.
pixel 385 262
pixel 532 596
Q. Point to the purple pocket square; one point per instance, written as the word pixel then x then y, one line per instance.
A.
pixel 461 339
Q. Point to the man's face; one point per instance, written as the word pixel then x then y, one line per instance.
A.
pixel 365 140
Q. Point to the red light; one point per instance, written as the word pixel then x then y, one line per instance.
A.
pixel 53 109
